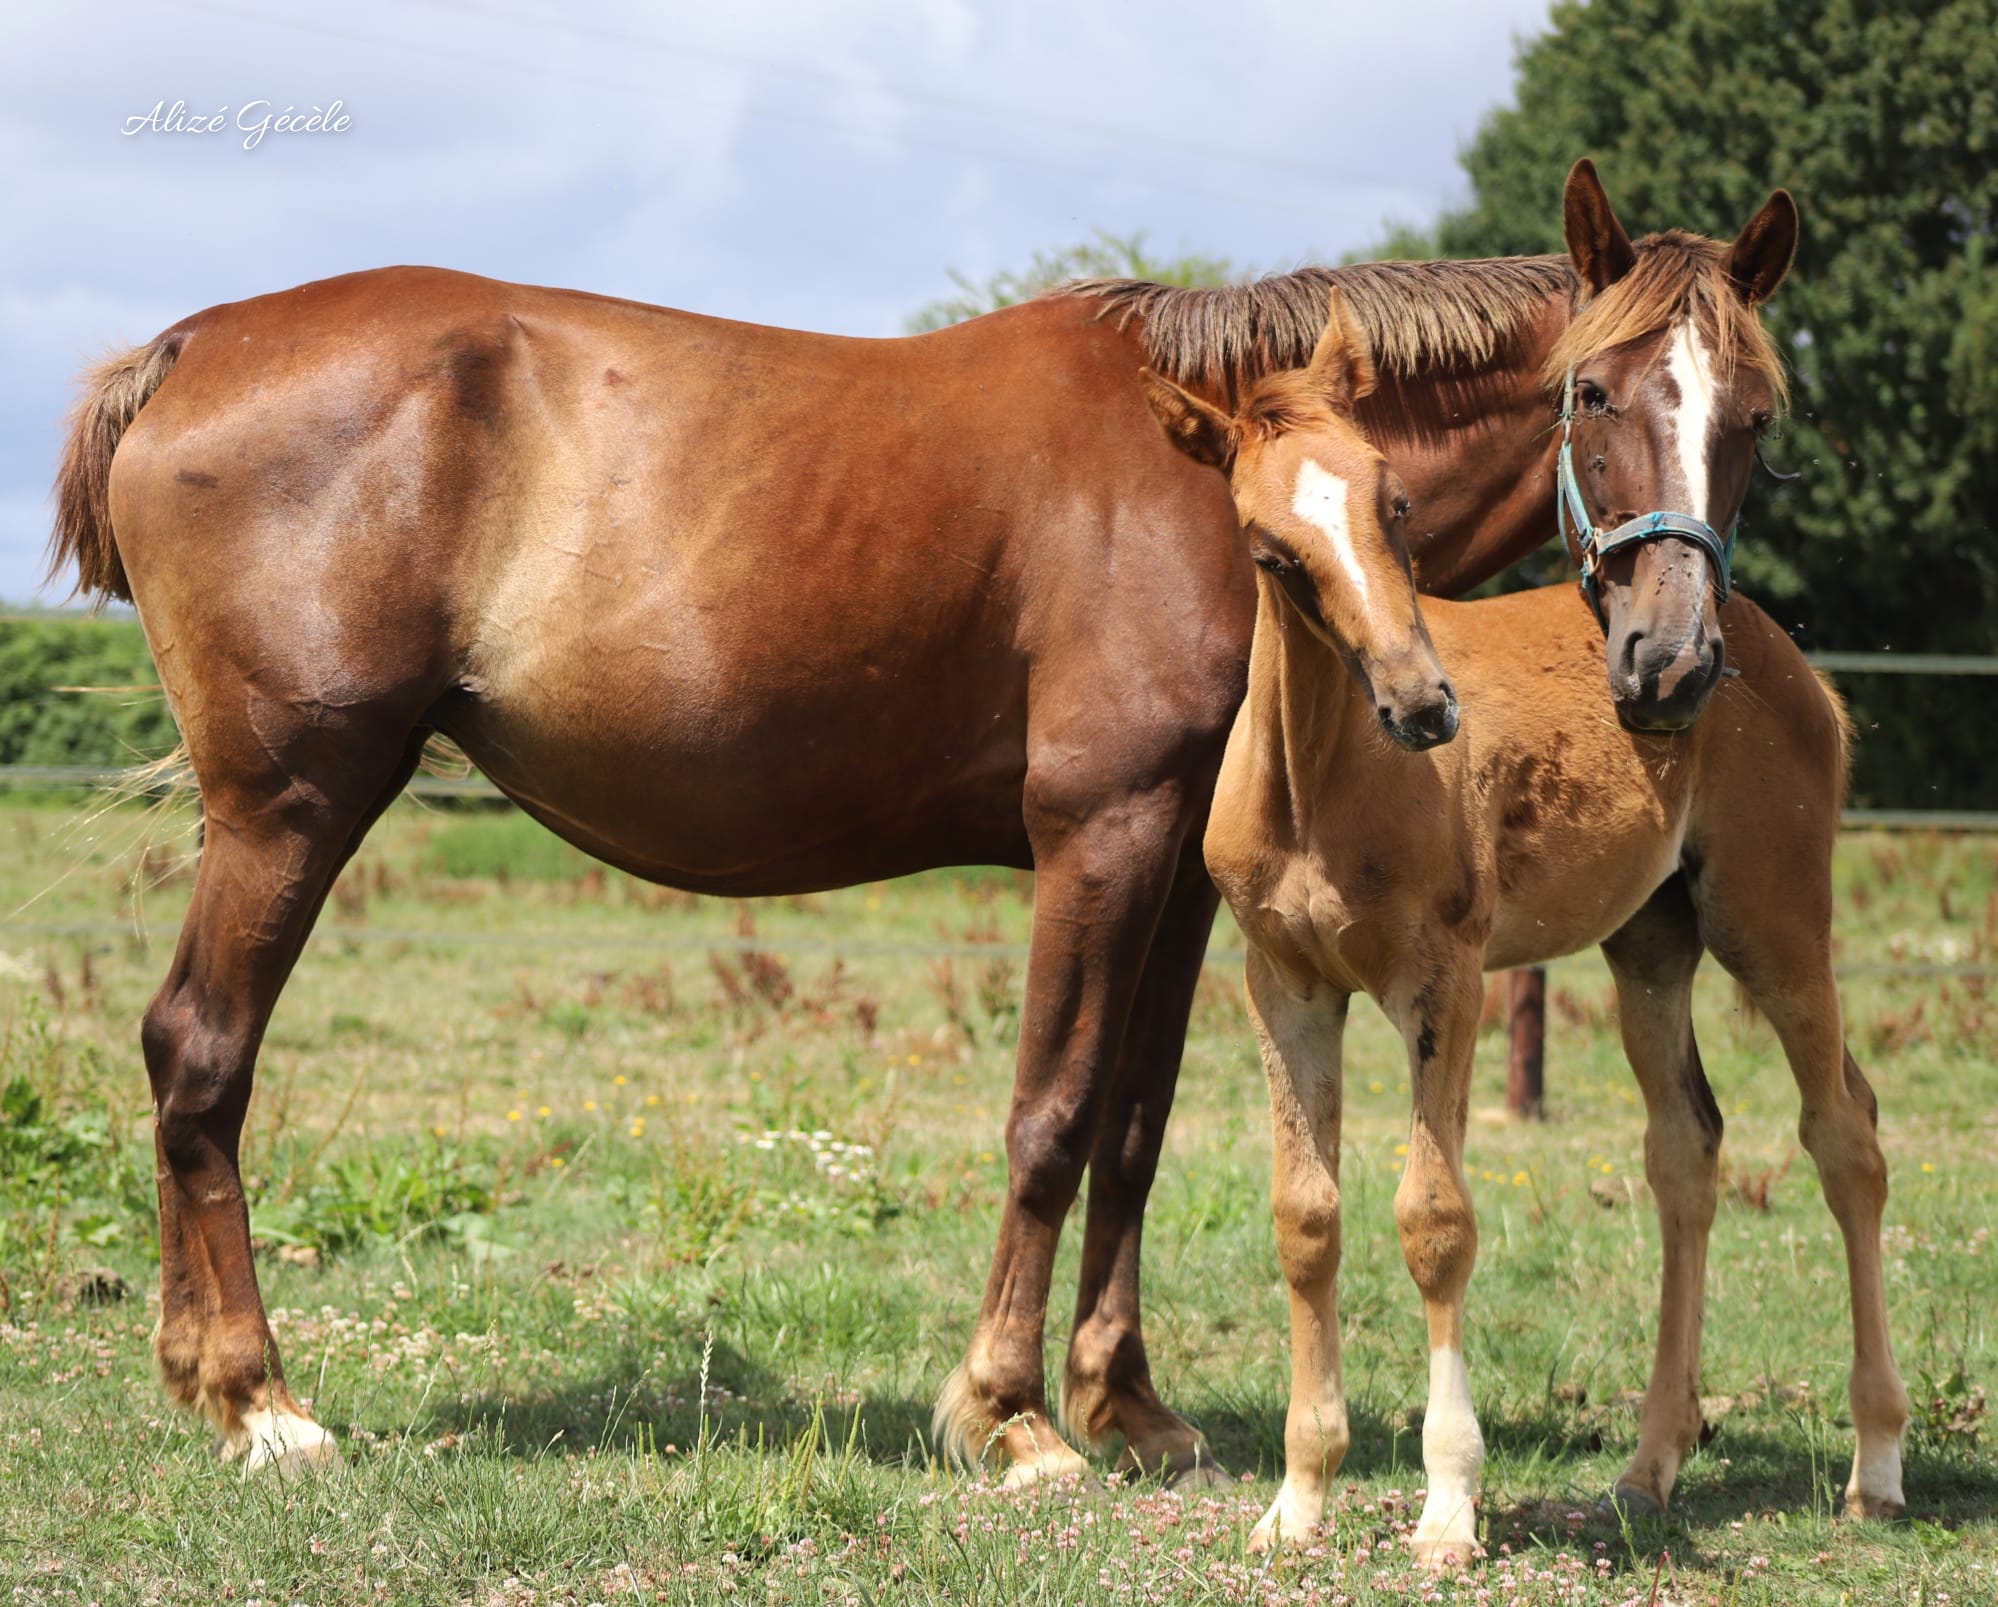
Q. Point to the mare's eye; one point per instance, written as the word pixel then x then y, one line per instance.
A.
pixel 1592 399
pixel 1760 420
pixel 1401 507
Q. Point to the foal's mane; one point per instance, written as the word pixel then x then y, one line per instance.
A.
pixel 1414 314
pixel 1678 276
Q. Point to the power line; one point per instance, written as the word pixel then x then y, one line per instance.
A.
pixel 914 95
pixel 1172 183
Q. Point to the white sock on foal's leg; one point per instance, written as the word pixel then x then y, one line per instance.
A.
pixel 1453 1450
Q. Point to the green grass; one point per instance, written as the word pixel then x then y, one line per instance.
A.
pixel 590 1332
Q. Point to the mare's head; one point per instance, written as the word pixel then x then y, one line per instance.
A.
pixel 1324 516
pixel 1667 378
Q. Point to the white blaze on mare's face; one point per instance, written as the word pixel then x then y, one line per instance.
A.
pixel 1693 373
pixel 1320 500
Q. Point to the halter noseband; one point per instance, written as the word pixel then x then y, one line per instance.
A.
pixel 1592 545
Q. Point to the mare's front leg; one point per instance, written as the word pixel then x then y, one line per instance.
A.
pixel 1107 1390
pixel 1439 1241
pixel 1102 868
pixel 1301 1029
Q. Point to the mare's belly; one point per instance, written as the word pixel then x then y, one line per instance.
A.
pixel 751 754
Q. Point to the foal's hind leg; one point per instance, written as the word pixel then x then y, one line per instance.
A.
pixel 1653 959
pixel 1108 1385
pixel 272 844
pixel 1765 912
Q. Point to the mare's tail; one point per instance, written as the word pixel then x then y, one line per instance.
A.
pixel 113 393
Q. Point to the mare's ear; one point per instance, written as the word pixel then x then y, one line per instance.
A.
pixel 1596 241
pixel 1342 368
pixel 1761 253
pixel 1203 432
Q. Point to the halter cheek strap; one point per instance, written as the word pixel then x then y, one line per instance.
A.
pixel 1591 544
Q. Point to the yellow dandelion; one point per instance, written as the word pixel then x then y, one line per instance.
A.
pixel 653 1099
pixel 985 1157
pixel 1928 1166
pixel 438 1131
pixel 1520 1180
pixel 915 1060
pixel 513 1115
pixel 589 1104
pixel 874 901
pixel 756 1076
pixel 1401 1149
pixel 556 1160
pixel 1607 1168
pixel 619 1079
pixel 1376 1088
pixel 543 1110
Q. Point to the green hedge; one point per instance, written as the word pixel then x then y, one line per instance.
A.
pixel 41 725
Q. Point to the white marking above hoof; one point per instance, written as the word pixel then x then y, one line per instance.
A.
pixel 276 1438
pixel 1291 1518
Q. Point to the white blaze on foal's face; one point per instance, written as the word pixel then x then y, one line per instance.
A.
pixel 1692 371
pixel 1320 499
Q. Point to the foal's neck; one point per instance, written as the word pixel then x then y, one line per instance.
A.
pixel 1309 717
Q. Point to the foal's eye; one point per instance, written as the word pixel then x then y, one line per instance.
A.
pixel 1401 507
pixel 1592 398
pixel 1760 421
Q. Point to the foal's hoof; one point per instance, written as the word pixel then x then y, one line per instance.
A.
pixel 1881 1508
pixel 1445 1552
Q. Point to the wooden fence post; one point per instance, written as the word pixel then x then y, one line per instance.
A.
pixel 1525 1031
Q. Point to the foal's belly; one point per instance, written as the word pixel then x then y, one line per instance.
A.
pixel 1567 890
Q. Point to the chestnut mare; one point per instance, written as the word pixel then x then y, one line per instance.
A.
pixel 1356 864
pixel 750 611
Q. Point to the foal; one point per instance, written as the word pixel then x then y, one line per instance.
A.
pixel 1356 863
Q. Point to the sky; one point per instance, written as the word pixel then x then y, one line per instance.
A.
pixel 821 164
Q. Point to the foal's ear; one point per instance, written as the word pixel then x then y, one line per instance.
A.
pixel 1342 368
pixel 1596 241
pixel 1761 253
pixel 1203 432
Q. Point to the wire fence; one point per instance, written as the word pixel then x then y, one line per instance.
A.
pixel 474 786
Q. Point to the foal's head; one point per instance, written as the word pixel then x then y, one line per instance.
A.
pixel 1324 515
pixel 1667 378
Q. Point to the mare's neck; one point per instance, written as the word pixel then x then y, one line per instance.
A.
pixel 1476 448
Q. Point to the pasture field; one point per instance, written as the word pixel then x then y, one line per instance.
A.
pixel 628 1262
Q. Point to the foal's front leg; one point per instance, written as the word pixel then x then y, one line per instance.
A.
pixel 1301 1027
pixel 1439 1241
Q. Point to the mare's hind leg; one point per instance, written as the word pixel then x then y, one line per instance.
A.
pixel 1653 959
pixel 272 844
pixel 1108 1384
pixel 1301 1030
pixel 1765 912
pixel 1102 872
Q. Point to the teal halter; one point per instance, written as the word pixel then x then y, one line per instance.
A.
pixel 1592 545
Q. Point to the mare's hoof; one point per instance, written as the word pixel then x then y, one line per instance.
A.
pixel 1198 1476
pixel 1627 1500
pixel 1880 1508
